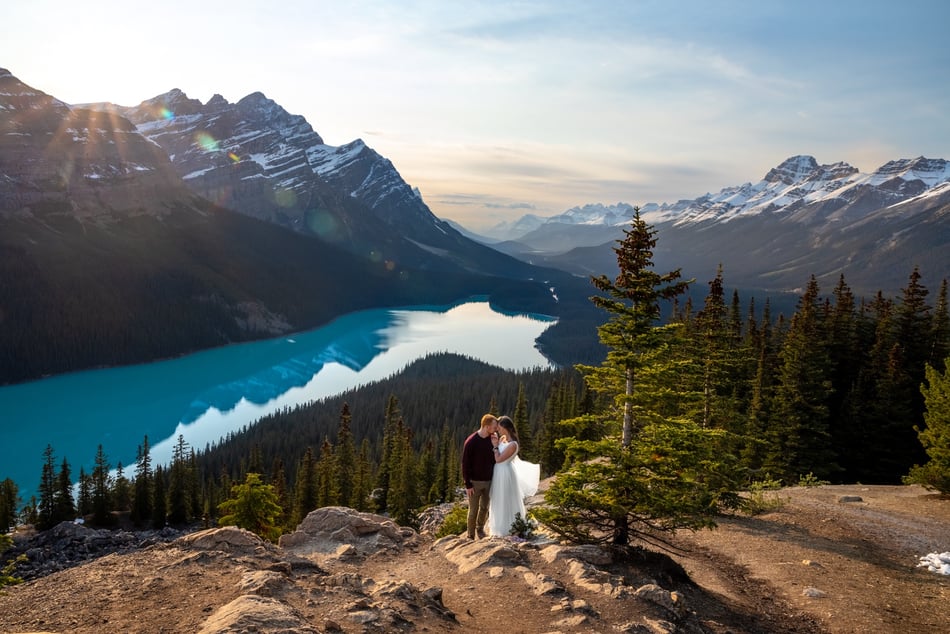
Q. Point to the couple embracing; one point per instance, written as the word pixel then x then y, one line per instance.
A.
pixel 496 480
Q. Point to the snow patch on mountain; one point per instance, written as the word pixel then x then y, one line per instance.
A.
pixel 797 185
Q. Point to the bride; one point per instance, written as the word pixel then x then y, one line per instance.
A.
pixel 512 481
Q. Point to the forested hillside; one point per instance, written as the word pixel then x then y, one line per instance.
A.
pixel 831 393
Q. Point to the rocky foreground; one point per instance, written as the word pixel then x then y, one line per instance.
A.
pixel 345 571
pixel 831 559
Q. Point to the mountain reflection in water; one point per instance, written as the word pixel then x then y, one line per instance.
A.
pixel 206 395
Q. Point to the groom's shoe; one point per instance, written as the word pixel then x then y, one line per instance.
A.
pixel 481 534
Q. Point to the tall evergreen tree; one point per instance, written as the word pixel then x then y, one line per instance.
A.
pixel 64 505
pixel 121 490
pixel 46 509
pixel 716 332
pixel 345 459
pixel 666 472
pixel 278 480
pixel 363 485
pixel 427 468
pixel 101 490
pixel 84 494
pixel 179 484
pixel 940 337
pixel 306 488
pixel 142 487
pixel 633 301
pixel 9 503
pixel 403 494
pixel 327 476
pixel 935 433
pixel 159 499
pixel 799 440
pixel 392 425
pixel 447 472
pixel 760 400
pixel 519 417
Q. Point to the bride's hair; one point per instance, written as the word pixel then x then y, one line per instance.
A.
pixel 509 426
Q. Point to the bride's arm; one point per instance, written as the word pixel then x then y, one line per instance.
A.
pixel 510 450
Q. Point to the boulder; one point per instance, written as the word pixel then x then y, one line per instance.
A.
pixel 326 529
pixel 250 613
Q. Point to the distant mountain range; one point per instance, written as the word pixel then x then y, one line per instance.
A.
pixel 130 234
pixel 801 219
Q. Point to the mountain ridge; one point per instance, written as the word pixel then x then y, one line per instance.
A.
pixel 108 256
pixel 802 218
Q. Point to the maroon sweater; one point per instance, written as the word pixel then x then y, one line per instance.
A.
pixel 478 459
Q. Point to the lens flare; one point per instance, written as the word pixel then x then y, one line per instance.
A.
pixel 322 223
pixel 206 142
pixel 166 114
pixel 285 197
pixel 234 157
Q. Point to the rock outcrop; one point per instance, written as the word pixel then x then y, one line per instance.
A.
pixel 340 571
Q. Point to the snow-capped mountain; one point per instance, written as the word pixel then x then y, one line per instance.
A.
pixel 55 156
pixel 109 255
pixel 801 218
pixel 256 158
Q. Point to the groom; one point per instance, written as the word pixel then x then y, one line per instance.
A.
pixel 478 463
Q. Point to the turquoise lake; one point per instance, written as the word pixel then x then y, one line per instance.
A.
pixel 205 395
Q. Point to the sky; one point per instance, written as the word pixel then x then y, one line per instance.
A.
pixel 494 109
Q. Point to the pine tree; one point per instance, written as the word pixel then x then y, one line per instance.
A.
pixel 519 417
pixel 632 334
pixel 101 490
pixel 253 506
pixel 666 472
pixel 9 503
pixel 305 490
pixel 716 332
pixel 142 487
pixel 447 472
pixel 403 495
pixel 121 490
pixel 427 480
pixel 935 434
pixel 763 384
pixel 940 335
pixel 46 509
pixel 64 504
pixel 278 480
pixel 345 460
pixel 799 440
pixel 391 426
pixel 363 485
pixel 179 484
pixel 159 499
pixel 327 476
pixel 84 494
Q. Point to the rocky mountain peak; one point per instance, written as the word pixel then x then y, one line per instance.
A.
pixel 17 96
pixel 217 101
pixel 931 171
pixel 792 170
pixel 174 103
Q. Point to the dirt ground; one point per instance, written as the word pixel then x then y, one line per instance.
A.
pixel 815 565
pixel 860 556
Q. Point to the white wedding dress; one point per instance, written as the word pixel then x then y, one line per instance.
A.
pixel 512 481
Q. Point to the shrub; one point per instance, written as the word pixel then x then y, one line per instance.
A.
pixel 810 480
pixel 6 573
pixel 455 522
pixel 522 527
pixel 763 497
